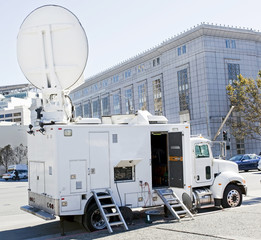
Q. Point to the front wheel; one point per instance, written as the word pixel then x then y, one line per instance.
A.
pixel 232 196
pixel 92 219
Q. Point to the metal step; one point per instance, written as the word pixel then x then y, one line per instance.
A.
pixel 112 214
pixel 104 197
pixel 167 202
pixel 116 223
pixel 109 205
pixel 176 205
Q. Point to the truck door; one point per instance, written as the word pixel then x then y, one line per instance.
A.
pixel 36 177
pixel 203 163
pixel 175 160
pixel 99 170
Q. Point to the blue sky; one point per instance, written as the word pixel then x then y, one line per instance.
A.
pixel 120 29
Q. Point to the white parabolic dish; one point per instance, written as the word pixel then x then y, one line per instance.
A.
pixel 52 48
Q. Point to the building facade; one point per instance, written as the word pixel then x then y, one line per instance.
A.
pixel 16 102
pixel 183 78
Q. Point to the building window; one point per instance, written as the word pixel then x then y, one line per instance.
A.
pixel 141 68
pixel 156 62
pixel 157 96
pixel 96 108
pixel 17 120
pixel 78 111
pixel 233 43
pixel 116 103
pixel 17 114
pixel 142 96
pixel 105 83
pixel 87 110
pixel 183 87
pixel 127 73
pixel 230 43
pixel 1 115
pixel 182 50
pixel 105 106
pixel 129 101
pixel 77 94
pixel 227 43
pixel 240 144
pixel 8 115
pixel 179 51
pixel 233 71
pixel 85 91
pixel 115 79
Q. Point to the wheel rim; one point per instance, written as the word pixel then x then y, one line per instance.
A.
pixel 233 198
pixel 97 220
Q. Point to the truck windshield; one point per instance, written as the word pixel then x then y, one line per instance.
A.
pixel 201 151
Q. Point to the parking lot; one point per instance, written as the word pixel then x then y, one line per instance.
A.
pixel 236 223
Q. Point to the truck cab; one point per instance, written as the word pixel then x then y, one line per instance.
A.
pixel 216 182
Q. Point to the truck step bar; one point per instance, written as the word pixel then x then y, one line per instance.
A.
pixel 105 216
pixel 173 203
pixel 38 212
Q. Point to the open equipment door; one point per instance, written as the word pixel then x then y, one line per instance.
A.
pixel 175 160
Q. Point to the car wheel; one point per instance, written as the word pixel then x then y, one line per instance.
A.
pixel 6 179
pixel 13 178
pixel 92 220
pixel 232 196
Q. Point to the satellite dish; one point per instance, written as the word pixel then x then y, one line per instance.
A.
pixel 52 48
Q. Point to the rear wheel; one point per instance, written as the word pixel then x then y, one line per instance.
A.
pixel 92 219
pixel 232 196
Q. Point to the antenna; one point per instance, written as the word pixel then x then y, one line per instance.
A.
pixel 52 51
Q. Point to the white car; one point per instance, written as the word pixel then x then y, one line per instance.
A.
pixel 11 175
pixel 259 165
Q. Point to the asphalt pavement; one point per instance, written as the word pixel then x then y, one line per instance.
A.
pixel 241 223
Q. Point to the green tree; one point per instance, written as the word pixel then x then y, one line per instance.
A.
pixel 245 95
pixel 7 156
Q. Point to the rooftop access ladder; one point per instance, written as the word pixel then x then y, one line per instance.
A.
pixel 173 203
pixel 106 216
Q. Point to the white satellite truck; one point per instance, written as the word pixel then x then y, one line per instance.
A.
pixel 101 169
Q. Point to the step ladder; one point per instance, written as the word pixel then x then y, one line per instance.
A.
pixel 173 203
pixel 105 215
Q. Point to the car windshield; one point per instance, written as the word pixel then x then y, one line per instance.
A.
pixel 236 158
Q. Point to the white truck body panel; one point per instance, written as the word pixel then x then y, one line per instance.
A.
pixel 69 167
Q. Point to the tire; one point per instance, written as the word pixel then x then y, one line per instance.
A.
pixel 232 196
pixel 6 179
pixel 13 178
pixel 92 219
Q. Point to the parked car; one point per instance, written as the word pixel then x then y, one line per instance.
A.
pixel 11 174
pixel 259 165
pixel 246 162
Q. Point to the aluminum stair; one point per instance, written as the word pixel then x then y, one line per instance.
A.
pixel 173 203
pixel 105 215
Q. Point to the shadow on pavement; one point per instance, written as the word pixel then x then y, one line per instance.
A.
pixel 74 230
pixel 40 231
pixel 252 201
